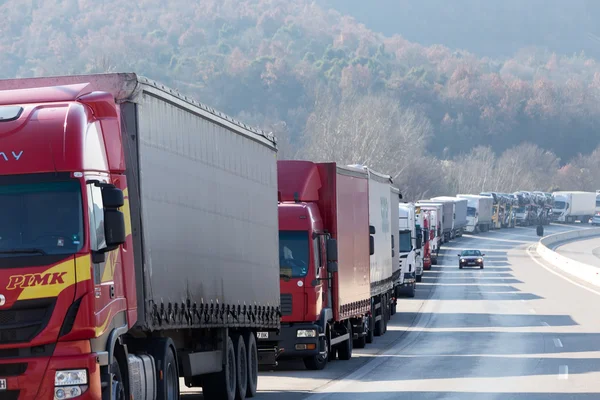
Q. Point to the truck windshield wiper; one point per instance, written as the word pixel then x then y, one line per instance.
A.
pixel 24 251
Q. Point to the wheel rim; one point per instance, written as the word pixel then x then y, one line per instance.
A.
pixel 171 382
pixel 322 358
pixel 118 389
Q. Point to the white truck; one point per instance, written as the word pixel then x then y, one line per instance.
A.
pixel 397 274
pixel 574 206
pixel 381 263
pixel 459 222
pixel 409 269
pixel 479 212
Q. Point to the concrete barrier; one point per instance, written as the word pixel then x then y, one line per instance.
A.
pixel 578 269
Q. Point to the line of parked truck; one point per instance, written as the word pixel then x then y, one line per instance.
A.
pixel 140 241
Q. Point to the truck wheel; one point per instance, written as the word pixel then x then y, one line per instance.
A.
pixel 221 385
pixel 117 391
pixel 386 314
pixel 393 308
pixel 379 327
pixel 418 278
pixel 411 291
pixel 319 361
pixel 345 348
pixel 171 385
pixel 252 351
pixel 361 342
pixel 370 334
pixel 241 359
pixel 167 388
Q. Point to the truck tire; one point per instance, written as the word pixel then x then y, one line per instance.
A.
pixel 167 366
pixel 344 349
pixel 241 359
pixel 221 385
pixel 386 313
pixel 250 341
pixel 319 361
pixel 379 324
pixel 370 332
pixel 418 278
pixel 361 342
pixel 117 391
pixel 411 291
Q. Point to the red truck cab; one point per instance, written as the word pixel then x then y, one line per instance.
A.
pixel 426 239
pixel 322 305
pixel 60 218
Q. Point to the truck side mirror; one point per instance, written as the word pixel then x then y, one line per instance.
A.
pixel 114 228
pixel 371 245
pixel 371 230
pixel 112 197
pixel 332 250
pixel 332 266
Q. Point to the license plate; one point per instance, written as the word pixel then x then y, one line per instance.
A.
pixel 2 384
pixel 262 335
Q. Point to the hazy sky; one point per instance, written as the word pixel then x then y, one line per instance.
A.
pixel 497 28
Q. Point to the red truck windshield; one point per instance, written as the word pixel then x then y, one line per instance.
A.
pixel 293 253
pixel 40 219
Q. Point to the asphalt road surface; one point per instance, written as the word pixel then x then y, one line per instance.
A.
pixel 585 251
pixel 518 329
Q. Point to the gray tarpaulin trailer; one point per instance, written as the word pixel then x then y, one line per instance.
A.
pixel 460 213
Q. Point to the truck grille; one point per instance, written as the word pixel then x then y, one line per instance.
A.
pixel 10 395
pixel 286 304
pixel 15 369
pixel 25 320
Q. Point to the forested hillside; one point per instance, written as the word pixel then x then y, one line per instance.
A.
pixel 332 89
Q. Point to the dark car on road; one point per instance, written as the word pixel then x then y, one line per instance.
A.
pixel 470 258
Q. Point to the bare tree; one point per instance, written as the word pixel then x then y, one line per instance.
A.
pixel 526 167
pixel 368 130
pixel 473 172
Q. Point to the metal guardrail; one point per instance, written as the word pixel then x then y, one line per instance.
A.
pixel 586 272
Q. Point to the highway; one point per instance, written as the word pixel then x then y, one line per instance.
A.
pixel 515 330
pixel 585 251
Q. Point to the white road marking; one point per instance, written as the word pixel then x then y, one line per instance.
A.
pixel 532 311
pixel 545 323
pixel 563 372
pixel 557 342
pixel 560 275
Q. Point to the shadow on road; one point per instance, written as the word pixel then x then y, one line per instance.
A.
pixel 464 320
pixel 411 395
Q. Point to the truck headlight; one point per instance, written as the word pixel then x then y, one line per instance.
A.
pixel 67 392
pixel 306 333
pixel 479 260
pixel 462 260
pixel 71 377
